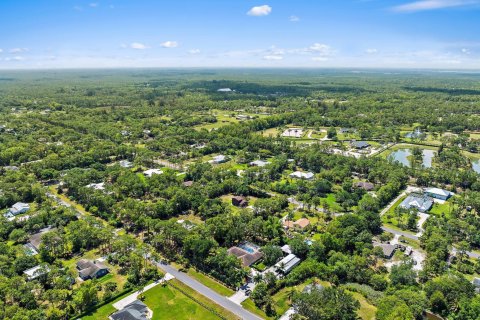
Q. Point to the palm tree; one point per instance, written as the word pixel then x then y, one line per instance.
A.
pixel 290 293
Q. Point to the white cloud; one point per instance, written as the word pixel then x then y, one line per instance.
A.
pixel 465 51
pixel 371 51
pixel 93 4
pixel 138 46
pixel 294 19
pixel 1 50
pixel 425 5
pixel 321 49
pixel 78 8
pixel 169 44
pixel 273 57
pixel 259 11
pixel 16 58
pixel 319 59
pixel 194 51
pixel 18 50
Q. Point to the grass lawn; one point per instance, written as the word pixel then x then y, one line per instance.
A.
pixel 366 311
pixel 281 298
pixel 169 303
pixel 211 283
pixel 104 311
pixel 75 205
pixel 442 209
pixel 332 202
pixel 250 306
pixel 272 132
pixel 412 243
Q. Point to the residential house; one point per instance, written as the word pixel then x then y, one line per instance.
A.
pixel 19 208
pixel 96 186
pixel 417 201
pixel 218 159
pixel 300 224
pixel 367 186
pixel 437 193
pixel 286 265
pixel 313 286
pixel 247 252
pixel 88 269
pixel 35 272
pixel 286 249
pixel 150 172
pixel 240 201
pixel 347 130
pixel 188 183
pixel 136 310
pixel 259 163
pixel 302 175
pixel 388 249
pixel 293 133
pixel 125 164
pixel 360 144
pixel 476 284
pixel 36 239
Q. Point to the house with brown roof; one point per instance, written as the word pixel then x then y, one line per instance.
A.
pixel 247 252
pixel 300 224
pixel 367 186
pixel 240 201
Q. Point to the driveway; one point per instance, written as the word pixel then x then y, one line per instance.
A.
pixel 119 305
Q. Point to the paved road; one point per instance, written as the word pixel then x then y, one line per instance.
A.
pixel 401 233
pixel 471 254
pixel 209 293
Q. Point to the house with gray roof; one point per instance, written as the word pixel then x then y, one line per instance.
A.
pixel 388 249
pixel 287 264
pixel 19 208
pixel 360 144
pixel 137 310
pixel 438 193
pixel 88 269
pixel 420 202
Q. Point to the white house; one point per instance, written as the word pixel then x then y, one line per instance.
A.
pixel 302 175
pixel 218 159
pixel 97 186
pixel 437 193
pixel 125 164
pixel 35 272
pixel 150 172
pixel 19 208
pixel 286 265
pixel 259 163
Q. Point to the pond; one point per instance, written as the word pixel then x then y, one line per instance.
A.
pixel 401 155
pixel 476 165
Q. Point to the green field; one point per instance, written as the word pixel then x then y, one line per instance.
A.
pixel 168 302
pixel 209 282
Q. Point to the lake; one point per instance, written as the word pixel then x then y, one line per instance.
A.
pixel 401 155
pixel 476 165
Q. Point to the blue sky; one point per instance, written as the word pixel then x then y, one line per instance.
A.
pixel 240 33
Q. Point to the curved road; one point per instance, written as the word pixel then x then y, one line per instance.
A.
pixel 236 309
